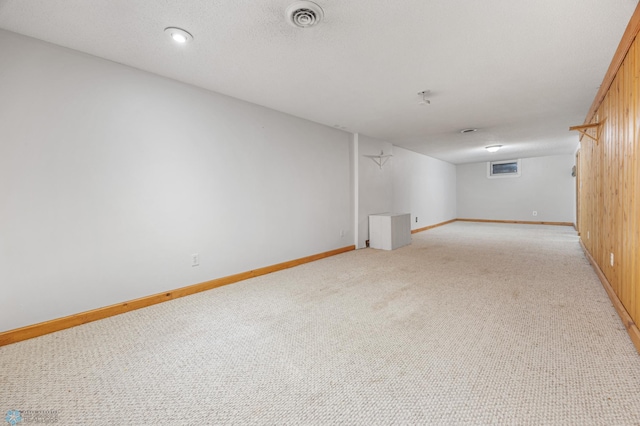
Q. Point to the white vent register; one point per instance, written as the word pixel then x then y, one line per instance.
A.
pixel 388 231
pixel 304 14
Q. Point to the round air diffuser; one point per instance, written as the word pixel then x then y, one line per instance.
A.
pixel 304 14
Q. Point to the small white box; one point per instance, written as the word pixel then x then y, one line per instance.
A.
pixel 388 231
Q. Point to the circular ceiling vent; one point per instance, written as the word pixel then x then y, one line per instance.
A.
pixel 304 14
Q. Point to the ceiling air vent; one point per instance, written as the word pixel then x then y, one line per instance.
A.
pixel 304 14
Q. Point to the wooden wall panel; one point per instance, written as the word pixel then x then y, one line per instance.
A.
pixel 609 185
pixel 633 179
pixel 627 182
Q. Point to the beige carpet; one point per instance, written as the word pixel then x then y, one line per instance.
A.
pixel 471 324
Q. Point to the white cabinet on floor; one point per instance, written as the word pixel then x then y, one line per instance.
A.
pixel 388 231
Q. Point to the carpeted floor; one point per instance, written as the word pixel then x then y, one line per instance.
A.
pixel 471 324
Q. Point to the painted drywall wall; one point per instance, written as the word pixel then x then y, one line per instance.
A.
pixel 408 183
pixel 424 187
pixel 545 185
pixel 111 178
pixel 375 188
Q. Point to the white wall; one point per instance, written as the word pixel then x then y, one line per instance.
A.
pixel 110 178
pixel 546 186
pixel 408 183
pixel 424 187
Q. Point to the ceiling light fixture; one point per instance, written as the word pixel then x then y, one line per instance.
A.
pixel 424 101
pixel 178 34
pixel 493 148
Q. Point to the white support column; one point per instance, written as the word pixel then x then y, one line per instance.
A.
pixel 356 184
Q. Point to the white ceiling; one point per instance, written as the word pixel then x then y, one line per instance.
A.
pixel 520 71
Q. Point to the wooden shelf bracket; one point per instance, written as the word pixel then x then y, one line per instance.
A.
pixel 583 129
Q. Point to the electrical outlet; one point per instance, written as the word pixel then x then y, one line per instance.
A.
pixel 535 213
pixel 195 259
pixel 342 233
pixel 611 258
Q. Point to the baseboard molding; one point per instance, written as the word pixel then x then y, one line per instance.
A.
pixel 521 222
pixel 632 328
pixel 40 329
pixel 414 231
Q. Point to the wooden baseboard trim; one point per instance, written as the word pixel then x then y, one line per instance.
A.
pixel 40 329
pixel 521 222
pixel 414 231
pixel 632 328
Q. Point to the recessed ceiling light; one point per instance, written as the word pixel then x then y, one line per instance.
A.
pixel 493 148
pixel 468 130
pixel 178 34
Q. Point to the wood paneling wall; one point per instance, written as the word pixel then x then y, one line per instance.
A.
pixel 608 178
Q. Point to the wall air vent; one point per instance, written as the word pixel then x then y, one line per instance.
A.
pixel 304 14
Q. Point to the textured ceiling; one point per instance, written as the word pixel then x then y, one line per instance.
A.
pixel 520 71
